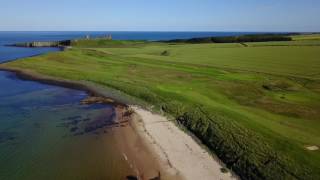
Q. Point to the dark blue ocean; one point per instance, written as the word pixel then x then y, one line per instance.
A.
pixel 44 129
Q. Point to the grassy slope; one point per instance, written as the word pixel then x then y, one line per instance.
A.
pixel 255 107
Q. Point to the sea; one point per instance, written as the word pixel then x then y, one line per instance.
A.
pixel 45 133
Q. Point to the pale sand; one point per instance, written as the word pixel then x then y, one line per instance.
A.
pixel 173 153
pixel 178 153
pixel 312 148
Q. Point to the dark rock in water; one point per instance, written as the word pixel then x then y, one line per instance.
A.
pixel 132 178
pixel 79 125
pixel 36 125
pixel 71 123
pixel 71 118
pixel 86 119
pixel 6 136
pixel 93 127
pixel 74 122
pixel 74 129
pixel 74 117
pixel 78 134
pixel 105 120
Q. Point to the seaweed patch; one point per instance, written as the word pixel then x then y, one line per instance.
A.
pixel 7 136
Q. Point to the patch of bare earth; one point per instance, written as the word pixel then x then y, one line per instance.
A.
pixel 312 148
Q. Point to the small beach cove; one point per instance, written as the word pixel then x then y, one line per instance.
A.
pixel 147 141
pixel 92 134
pixel 114 125
pixel 47 133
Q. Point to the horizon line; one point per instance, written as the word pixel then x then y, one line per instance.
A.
pixel 155 31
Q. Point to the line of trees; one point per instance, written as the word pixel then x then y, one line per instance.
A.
pixel 235 39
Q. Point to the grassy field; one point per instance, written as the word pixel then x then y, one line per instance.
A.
pixel 305 37
pixel 257 106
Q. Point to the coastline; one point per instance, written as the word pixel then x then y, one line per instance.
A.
pixel 178 152
pixel 150 136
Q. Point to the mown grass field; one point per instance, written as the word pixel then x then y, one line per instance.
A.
pixel 257 106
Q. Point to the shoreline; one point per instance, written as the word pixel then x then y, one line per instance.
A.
pixel 90 88
pixel 154 136
pixel 185 157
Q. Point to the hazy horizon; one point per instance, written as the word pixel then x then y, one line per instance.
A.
pixel 156 31
pixel 169 16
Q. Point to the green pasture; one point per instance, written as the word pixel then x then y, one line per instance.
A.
pixel 255 105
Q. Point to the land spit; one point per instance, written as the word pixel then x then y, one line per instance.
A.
pixel 63 43
pixel 154 147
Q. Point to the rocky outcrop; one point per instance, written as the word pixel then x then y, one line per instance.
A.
pixel 44 44
pixel 96 100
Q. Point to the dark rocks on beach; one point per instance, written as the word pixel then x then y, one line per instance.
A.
pixel 96 100
pixel 132 178
pixel 128 112
pixel 158 177
pixel 136 178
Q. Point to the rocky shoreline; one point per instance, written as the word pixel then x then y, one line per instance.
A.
pixel 61 44
pixel 150 154
pixel 138 156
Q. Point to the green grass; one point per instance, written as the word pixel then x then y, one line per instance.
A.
pixel 255 107
pixel 106 43
pixel 305 37
pixel 259 59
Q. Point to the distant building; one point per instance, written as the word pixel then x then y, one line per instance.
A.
pixel 109 37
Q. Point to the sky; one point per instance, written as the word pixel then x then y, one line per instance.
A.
pixel 160 15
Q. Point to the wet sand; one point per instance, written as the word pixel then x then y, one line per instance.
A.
pixel 135 149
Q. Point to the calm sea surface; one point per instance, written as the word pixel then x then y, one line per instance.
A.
pixel 45 133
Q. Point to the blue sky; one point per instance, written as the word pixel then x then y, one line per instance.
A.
pixel 161 15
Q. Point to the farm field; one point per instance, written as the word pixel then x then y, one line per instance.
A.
pixel 256 106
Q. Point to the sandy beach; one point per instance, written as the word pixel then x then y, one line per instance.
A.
pixel 178 153
pixel 154 146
